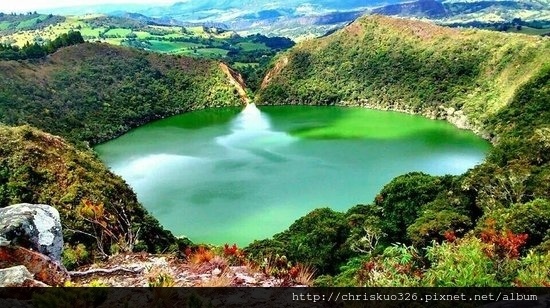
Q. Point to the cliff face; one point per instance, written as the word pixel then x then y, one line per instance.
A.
pixel 237 81
pixel 465 77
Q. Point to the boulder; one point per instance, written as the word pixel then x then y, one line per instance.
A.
pixel 33 226
pixel 14 276
pixel 18 276
pixel 42 267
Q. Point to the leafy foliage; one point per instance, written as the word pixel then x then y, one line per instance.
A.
pixel 401 201
pixel 488 227
pixel 61 95
pixel 534 270
pixel 35 50
pixel 97 208
pixel 460 264
pixel 407 65
pixel 318 239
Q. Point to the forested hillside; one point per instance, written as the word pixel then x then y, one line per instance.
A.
pixel 94 92
pixel 99 212
pixel 487 227
pixel 408 65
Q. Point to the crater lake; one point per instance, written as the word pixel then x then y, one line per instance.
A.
pixel 235 175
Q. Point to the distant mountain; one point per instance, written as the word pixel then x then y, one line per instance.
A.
pixel 300 19
pixel 97 9
pixel 433 9
pixel 292 18
pixel 306 18
pixel 422 8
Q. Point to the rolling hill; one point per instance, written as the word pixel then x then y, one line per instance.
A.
pixel 423 230
pixel 88 93
pixel 40 168
pixel 462 76
pixel 93 92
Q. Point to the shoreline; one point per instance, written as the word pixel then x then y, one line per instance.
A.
pixel 455 117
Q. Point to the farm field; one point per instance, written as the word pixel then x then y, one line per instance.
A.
pixel 196 41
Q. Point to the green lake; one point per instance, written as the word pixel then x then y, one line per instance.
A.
pixel 232 175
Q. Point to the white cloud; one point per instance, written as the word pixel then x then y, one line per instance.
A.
pixel 34 5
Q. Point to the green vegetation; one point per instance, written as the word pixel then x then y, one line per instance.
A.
pixel 251 53
pixel 516 25
pixel 407 65
pixel 487 227
pixel 318 239
pixel 37 167
pixel 93 92
pixel 12 23
pixel 35 51
pixel 61 95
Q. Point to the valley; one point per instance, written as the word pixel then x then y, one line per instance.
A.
pixel 346 149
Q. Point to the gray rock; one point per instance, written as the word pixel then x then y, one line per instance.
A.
pixel 14 276
pixel 34 226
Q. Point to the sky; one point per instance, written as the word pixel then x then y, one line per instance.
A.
pixel 8 6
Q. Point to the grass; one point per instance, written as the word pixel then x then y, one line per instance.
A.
pixel 169 47
pixel 114 41
pixel 91 32
pixel 118 32
pixel 239 65
pixel 193 41
pixel 196 30
pixel 143 35
pixel 4 25
pixel 529 31
pixel 212 52
pixel 305 275
pixel 28 23
pixel 248 46
pixel 174 35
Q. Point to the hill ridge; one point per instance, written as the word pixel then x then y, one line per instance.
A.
pixel 94 91
pixel 463 76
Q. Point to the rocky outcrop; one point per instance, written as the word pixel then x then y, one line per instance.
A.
pixel 33 226
pixel 42 267
pixel 31 243
pixel 18 276
pixel 237 81
pixel 279 66
pixel 14 276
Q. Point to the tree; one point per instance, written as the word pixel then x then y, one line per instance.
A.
pixel 402 199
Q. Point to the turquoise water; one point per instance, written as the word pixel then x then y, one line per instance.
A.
pixel 231 176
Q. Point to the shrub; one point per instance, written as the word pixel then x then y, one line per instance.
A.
pixel 398 266
pixel 402 199
pixel 534 271
pixel 73 256
pixel 532 218
pixel 463 263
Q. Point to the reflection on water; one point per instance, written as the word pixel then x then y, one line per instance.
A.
pixel 153 165
pixel 236 179
pixel 252 129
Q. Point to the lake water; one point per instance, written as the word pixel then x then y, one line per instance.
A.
pixel 232 175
